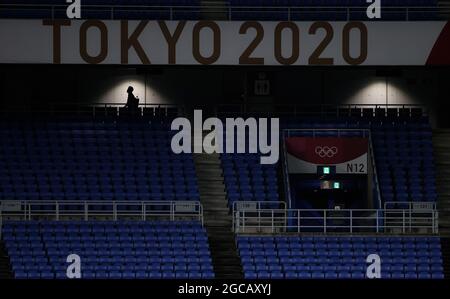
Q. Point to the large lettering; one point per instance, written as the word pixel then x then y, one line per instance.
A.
pixel 103 41
pixel 128 42
pixel 200 42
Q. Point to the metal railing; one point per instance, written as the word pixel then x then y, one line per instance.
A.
pixel 374 169
pixel 289 132
pixel 396 221
pixel 324 111
pixel 112 109
pixel 101 210
pixel 229 12
pixel 255 205
pixel 285 172
pixel 410 205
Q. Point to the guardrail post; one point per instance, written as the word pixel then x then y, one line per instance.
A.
pixel 272 222
pixel 243 221
pixel 410 220
pixel 298 221
pixel 57 211
pixel 200 208
pixel 115 211
pixel 403 221
pixel 86 211
pixel 324 221
pixel 351 221
pixel 378 221
pixel 436 222
pixel 259 220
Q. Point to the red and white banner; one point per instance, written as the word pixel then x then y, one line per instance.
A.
pixel 224 43
pixel 305 154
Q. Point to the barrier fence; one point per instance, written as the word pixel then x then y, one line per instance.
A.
pixel 227 12
pixel 101 210
pixel 387 221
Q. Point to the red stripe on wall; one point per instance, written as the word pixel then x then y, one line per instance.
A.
pixel 440 54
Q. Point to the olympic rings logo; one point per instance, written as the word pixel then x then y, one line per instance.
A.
pixel 326 151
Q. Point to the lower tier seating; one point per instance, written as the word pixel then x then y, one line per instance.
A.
pixel 109 250
pixel 339 257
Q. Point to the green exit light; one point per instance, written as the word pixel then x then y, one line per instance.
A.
pixel 336 185
pixel 326 170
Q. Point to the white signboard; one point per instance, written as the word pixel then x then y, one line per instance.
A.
pixel 223 43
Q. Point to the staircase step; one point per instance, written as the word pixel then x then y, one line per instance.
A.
pixel 216 217
pixel 5 264
pixel 441 146
pixel 445 244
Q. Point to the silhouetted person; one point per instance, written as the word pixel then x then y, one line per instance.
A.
pixel 132 101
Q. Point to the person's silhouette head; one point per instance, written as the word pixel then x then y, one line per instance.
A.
pixel 130 89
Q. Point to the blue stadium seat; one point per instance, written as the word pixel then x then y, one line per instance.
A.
pixel 109 250
pixel 315 262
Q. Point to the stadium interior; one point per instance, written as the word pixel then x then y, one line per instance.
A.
pixel 363 169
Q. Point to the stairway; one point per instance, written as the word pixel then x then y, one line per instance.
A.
pixel 214 10
pixel 445 248
pixel 5 266
pixel 217 218
pixel 441 144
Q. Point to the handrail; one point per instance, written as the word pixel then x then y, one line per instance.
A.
pixel 314 130
pixel 374 168
pixel 230 10
pixel 411 205
pixel 291 109
pixel 396 221
pixel 114 210
pixel 285 171
pixel 253 205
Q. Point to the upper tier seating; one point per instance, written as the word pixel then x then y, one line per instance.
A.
pixel 247 180
pixel 295 10
pixel 405 163
pixel 335 10
pixel 339 257
pixel 101 9
pixel 109 250
pixel 93 160
pixel 110 2
pixel 335 3
pixel 403 151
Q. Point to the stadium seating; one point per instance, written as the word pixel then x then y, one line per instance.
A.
pixel 402 146
pixel 335 10
pixel 247 180
pixel 262 10
pixel 109 250
pixel 405 163
pixel 361 3
pixel 93 160
pixel 339 257
pixel 98 9
pixel 110 2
